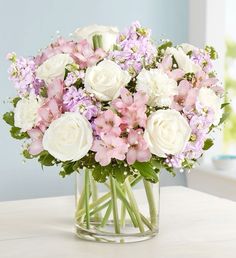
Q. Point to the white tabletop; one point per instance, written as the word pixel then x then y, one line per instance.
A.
pixel 193 224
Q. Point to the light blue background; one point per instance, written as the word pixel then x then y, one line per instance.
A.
pixel 28 25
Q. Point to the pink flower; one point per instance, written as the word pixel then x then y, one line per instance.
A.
pixel 108 122
pixel 85 56
pixel 55 89
pixel 50 111
pixel 186 97
pixel 36 145
pixel 132 108
pixel 108 147
pixel 138 149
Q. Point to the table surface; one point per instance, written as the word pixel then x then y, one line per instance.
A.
pixel 192 224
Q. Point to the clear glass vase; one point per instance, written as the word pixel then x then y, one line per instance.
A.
pixel 116 212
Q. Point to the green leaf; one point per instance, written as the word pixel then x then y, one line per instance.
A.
pixel 15 101
pixel 27 155
pixel 224 105
pixel 46 159
pixel 119 173
pixel 165 45
pixel 212 52
pixel 8 117
pixel 67 168
pixel 224 117
pixel 208 144
pixel 100 173
pixel 17 134
pixel 146 170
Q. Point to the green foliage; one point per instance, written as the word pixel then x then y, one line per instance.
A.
pixel 208 144
pixel 212 52
pixel 15 101
pixel 147 171
pixel 165 45
pixel 8 117
pixel 43 92
pixel 46 159
pixel 18 134
pixel 67 168
pixel 27 155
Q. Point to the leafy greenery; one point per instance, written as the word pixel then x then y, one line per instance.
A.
pixel 18 134
pixel 8 117
pixel 15 101
pixel 165 45
pixel 147 170
pixel 212 52
pixel 208 144
pixel 46 159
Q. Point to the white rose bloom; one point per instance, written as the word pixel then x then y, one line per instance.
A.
pixel 187 47
pixel 105 80
pixel 167 132
pixel 26 112
pixel 183 60
pixel 54 67
pixel 69 137
pixel 158 86
pixel 208 98
pixel 109 34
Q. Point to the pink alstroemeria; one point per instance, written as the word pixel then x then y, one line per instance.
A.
pixel 36 145
pixel 186 97
pixel 132 108
pixel 108 122
pixel 52 107
pixel 108 147
pixel 85 56
pixel 138 148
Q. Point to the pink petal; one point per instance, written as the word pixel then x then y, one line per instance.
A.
pixel 36 147
pixel 131 156
pixel 35 134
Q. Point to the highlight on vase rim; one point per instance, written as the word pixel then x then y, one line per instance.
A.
pixel 117 104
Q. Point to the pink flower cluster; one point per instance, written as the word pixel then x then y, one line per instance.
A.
pixel 82 52
pixel 120 132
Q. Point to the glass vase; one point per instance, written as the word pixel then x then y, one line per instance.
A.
pixel 116 212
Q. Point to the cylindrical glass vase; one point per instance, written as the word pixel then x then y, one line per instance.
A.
pixel 116 212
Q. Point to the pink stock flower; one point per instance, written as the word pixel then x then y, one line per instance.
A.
pixel 138 149
pixel 132 108
pixel 186 97
pixel 36 145
pixel 108 147
pixel 108 122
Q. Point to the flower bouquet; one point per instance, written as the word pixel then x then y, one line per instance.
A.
pixel 116 108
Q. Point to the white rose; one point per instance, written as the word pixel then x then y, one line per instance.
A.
pixel 167 132
pixel 53 68
pixel 187 47
pixel 26 112
pixel 208 98
pixel 69 137
pixel 109 34
pixel 105 80
pixel 158 86
pixel 183 60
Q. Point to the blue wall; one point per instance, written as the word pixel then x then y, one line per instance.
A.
pixel 25 27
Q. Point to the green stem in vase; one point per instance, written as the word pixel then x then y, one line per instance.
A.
pixel 151 202
pixel 107 215
pixel 99 208
pixel 123 212
pixel 134 205
pixel 114 205
pixel 87 195
pixel 94 196
pixel 94 204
